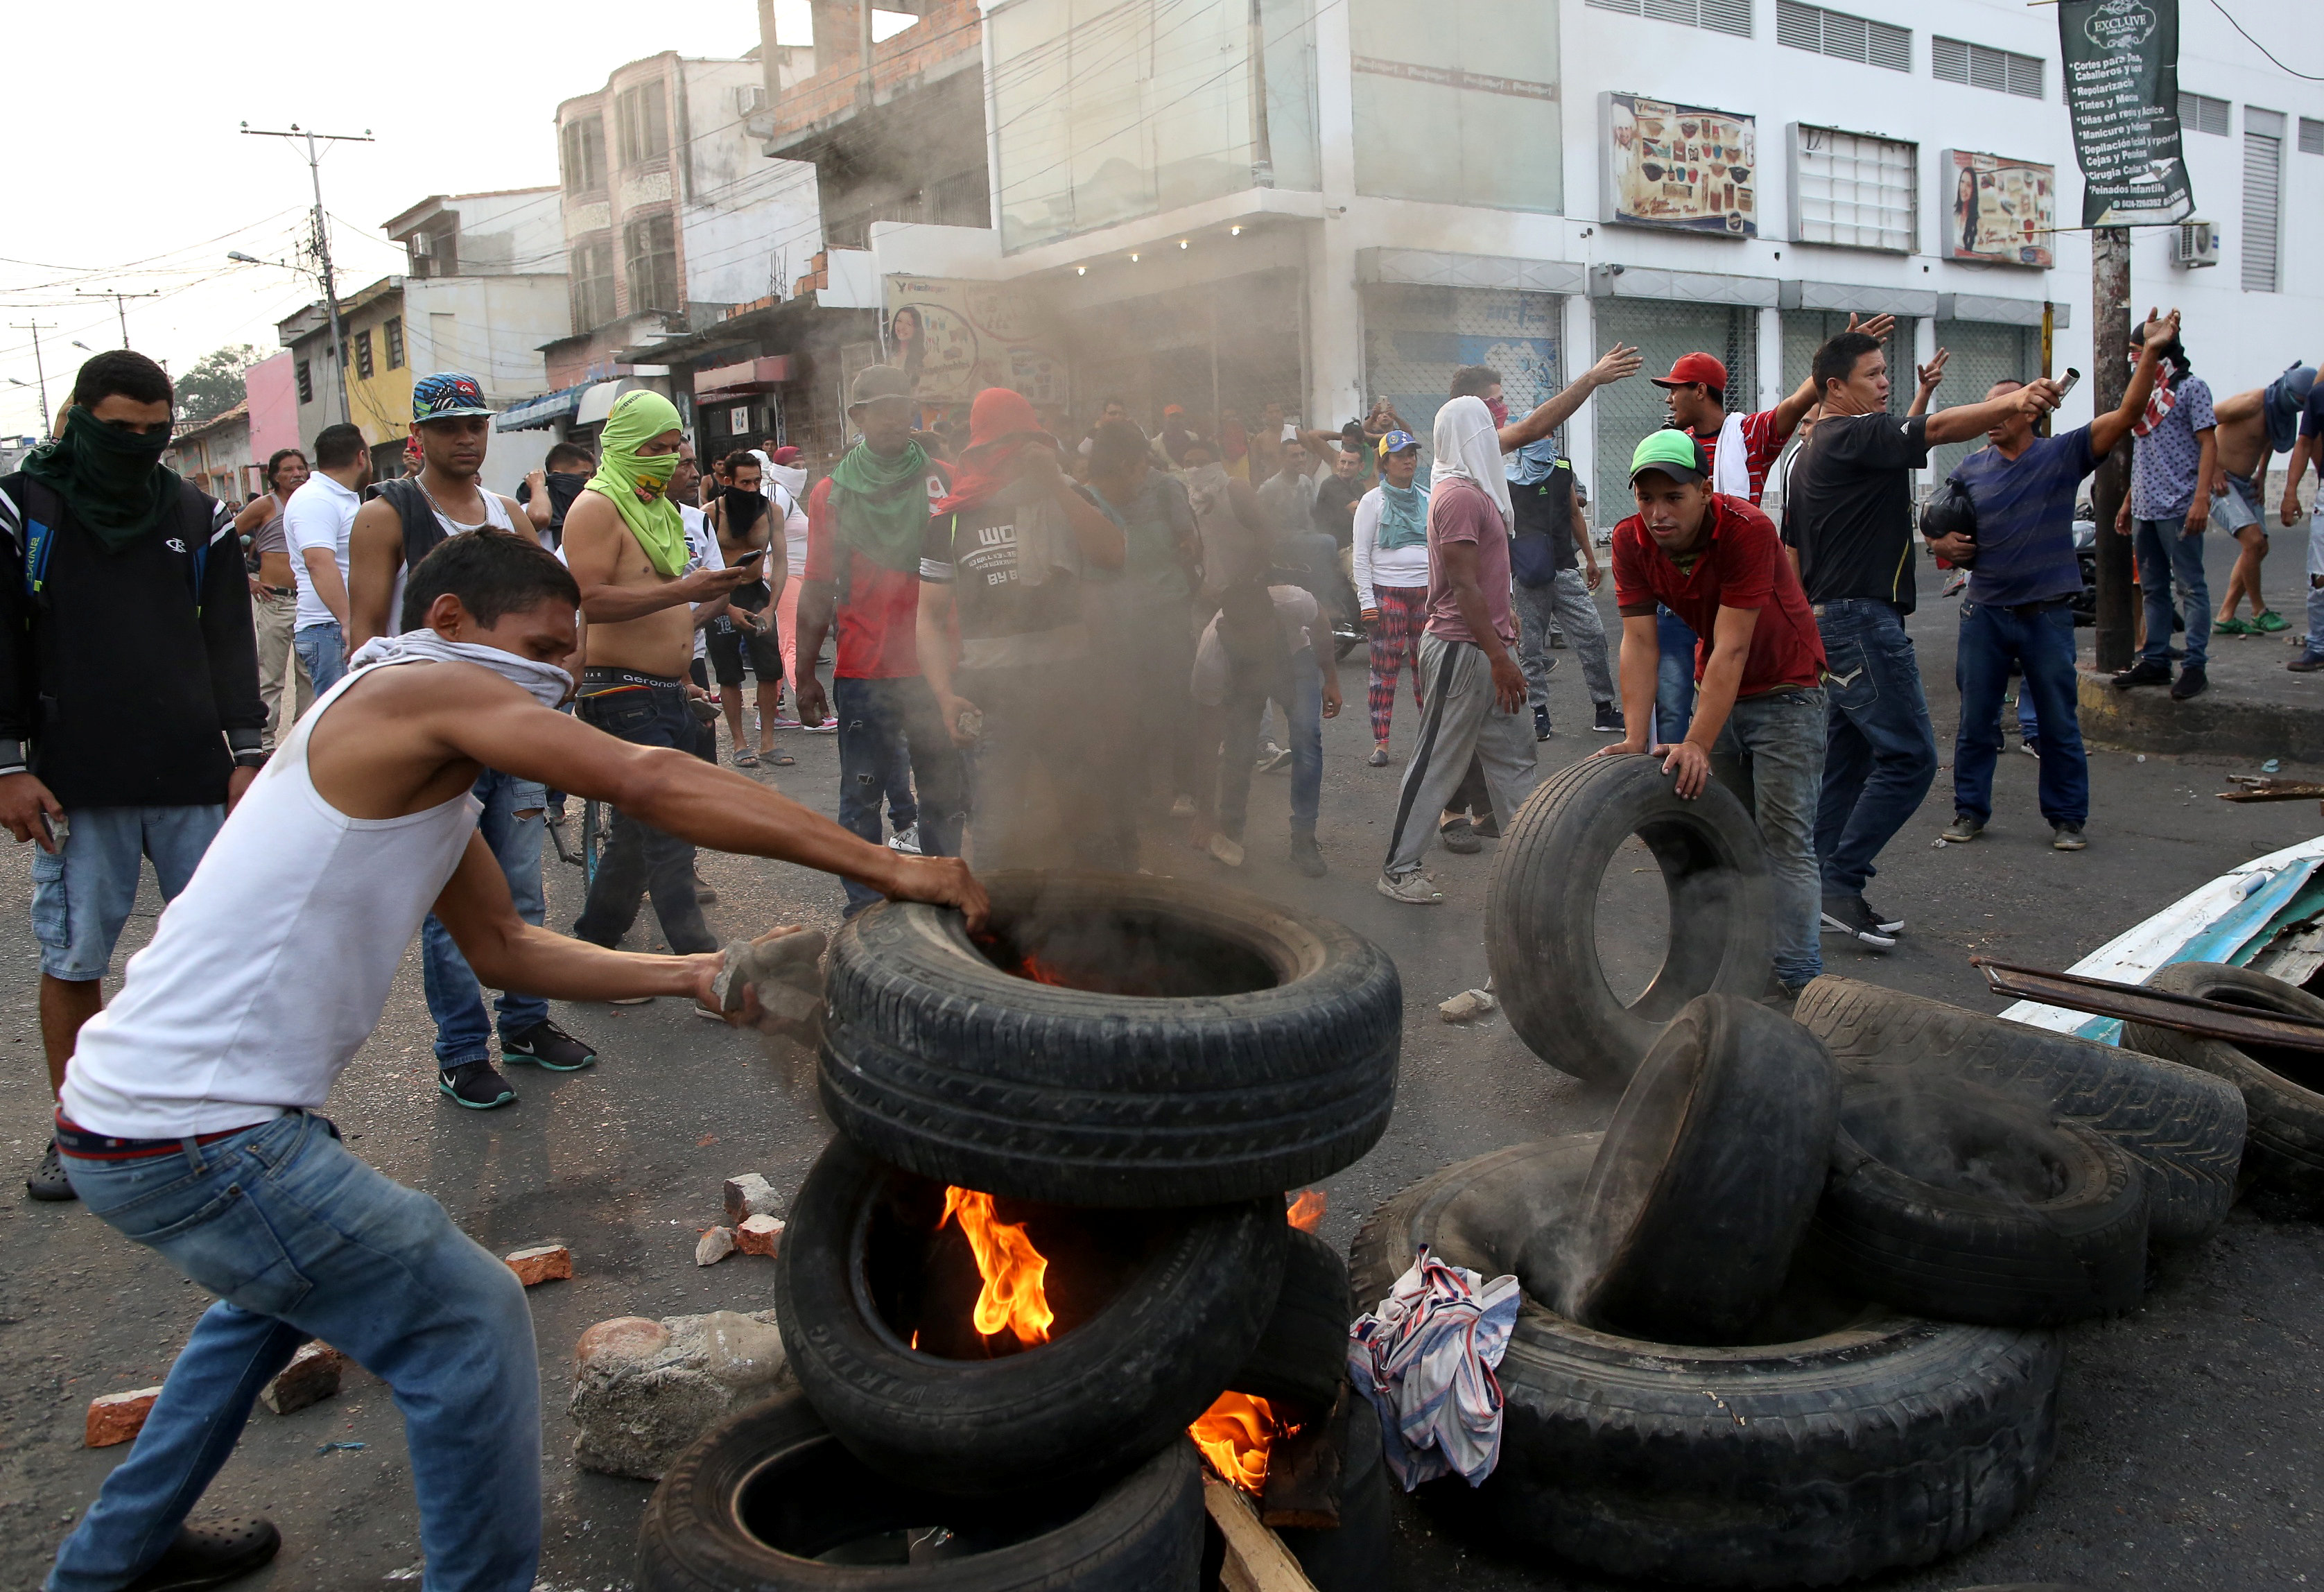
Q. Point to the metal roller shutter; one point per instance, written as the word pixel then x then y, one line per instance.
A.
pixel 1416 338
pixel 2263 211
pixel 1663 330
pixel 1981 355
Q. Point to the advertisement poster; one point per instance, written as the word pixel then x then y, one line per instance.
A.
pixel 2003 210
pixel 1681 166
pixel 956 339
pixel 2122 97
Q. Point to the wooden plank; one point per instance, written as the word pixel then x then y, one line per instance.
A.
pixel 1256 1561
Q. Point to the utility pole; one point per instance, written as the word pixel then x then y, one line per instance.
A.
pixel 38 369
pixel 2110 352
pixel 119 303
pixel 323 237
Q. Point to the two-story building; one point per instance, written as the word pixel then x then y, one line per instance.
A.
pixel 215 456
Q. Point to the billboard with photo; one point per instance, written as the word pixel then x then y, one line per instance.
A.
pixel 957 337
pixel 1680 166
pixel 1999 210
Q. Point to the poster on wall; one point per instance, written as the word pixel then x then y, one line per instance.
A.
pixel 956 339
pixel 2122 98
pixel 2003 210
pixel 1680 166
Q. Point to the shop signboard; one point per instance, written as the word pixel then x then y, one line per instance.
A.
pixel 1680 166
pixel 2122 97
pixel 957 337
pixel 2000 211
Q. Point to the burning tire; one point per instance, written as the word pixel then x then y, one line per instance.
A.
pixel 1955 1202
pixel 768 1499
pixel 2184 1128
pixel 1541 913
pixel 1302 1356
pixel 1708 1175
pixel 1153 1311
pixel 1842 1441
pixel 1197 1045
pixel 2282 1089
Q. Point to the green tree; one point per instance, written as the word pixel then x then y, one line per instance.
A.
pixel 214 385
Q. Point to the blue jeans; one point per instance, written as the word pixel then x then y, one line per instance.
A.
pixel 322 649
pixel 2040 641
pixel 640 859
pixel 1300 690
pixel 1880 752
pixel 1674 678
pixel 300 1240
pixel 455 999
pixel 893 743
pixel 1770 753
pixel 2167 556
pixel 82 894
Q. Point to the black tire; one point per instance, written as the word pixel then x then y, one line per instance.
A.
pixel 1302 1356
pixel 1954 1201
pixel 2185 1129
pixel 1273 1069
pixel 773 1477
pixel 2282 1089
pixel 1134 1358
pixel 1541 912
pixel 1707 1177
pixel 1351 1557
pixel 1849 1440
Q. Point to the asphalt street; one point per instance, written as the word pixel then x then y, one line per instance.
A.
pixel 2188 1450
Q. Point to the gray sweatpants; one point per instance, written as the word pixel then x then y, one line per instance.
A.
pixel 1563 604
pixel 1457 721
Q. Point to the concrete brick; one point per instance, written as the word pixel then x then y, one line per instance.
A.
pixel 546 1262
pixel 760 1235
pixel 715 1245
pixel 115 1418
pixel 311 1377
pixel 750 1194
pixel 642 1390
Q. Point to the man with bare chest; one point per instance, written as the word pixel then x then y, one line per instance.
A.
pixel 745 517
pixel 625 544
pixel 2251 425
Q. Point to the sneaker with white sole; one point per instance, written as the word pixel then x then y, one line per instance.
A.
pixel 545 1044
pixel 2068 837
pixel 906 840
pixel 1609 720
pixel 1851 915
pixel 1413 889
pixel 1965 827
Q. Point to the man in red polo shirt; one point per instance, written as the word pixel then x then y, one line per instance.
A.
pixel 1716 562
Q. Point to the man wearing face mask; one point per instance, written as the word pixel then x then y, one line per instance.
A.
pixel 121 585
pixel 625 544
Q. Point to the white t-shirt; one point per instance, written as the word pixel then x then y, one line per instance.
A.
pixel 1377 566
pixel 320 513
pixel 701 553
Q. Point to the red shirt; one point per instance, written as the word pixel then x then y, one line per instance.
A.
pixel 876 623
pixel 1761 448
pixel 1743 566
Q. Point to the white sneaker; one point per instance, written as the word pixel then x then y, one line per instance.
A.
pixel 906 840
pixel 1413 889
pixel 1229 851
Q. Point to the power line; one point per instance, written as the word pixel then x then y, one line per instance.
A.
pixel 40 369
pixel 120 305
pixel 323 235
pixel 2264 50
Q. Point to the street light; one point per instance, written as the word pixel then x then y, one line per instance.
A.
pixel 84 347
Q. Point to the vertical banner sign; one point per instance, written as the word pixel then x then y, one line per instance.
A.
pixel 2122 93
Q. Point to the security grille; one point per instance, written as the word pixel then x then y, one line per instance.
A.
pixel 1955 61
pixel 2200 112
pixel 1849 38
pixel 1416 338
pixel 2263 194
pixel 1727 17
pixel 1663 330
pixel 1981 353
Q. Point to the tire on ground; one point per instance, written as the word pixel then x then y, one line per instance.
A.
pixel 2184 1127
pixel 1270 1064
pixel 1303 1354
pixel 1851 1440
pixel 760 1495
pixel 1708 1175
pixel 1107 1391
pixel 2282 1089
pixel 1541 912
pixel 1352 1556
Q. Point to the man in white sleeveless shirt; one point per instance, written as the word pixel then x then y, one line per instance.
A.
pixel 188 1116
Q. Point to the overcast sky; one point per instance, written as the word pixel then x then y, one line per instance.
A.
pixel 129 171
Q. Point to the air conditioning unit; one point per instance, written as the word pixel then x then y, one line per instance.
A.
pixel 2195 245
pixel 750 101
pixel 421 246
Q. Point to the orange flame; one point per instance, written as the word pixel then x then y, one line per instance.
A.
pixel 1306 1212
pixel 1013 1295
pixel 1040 972
pixel 1237 1434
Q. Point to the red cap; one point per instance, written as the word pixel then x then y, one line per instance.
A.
pixel 1694 368
pixel 784 455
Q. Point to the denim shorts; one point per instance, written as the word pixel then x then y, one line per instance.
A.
pixel 82 894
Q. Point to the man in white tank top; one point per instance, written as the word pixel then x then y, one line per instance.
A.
pixel 188 1123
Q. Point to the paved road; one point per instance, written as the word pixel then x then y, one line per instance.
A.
pixel 2189 1448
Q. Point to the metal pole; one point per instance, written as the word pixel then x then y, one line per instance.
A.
pixel 2110 352
pixel 120 304
pixel 2049 336
pixel 39 370
pixel 323 240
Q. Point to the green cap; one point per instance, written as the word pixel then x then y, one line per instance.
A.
pixel 1672 452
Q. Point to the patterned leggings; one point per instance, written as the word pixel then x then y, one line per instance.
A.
pixel 1396 640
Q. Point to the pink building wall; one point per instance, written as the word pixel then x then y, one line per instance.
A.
pixel 272 385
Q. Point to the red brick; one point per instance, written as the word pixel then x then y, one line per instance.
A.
pixel 547 1262
pixel 115 1418
pixel 760 1235
pixel 311 1377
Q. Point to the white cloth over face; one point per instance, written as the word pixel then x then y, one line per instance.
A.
pixel 548 684
pixel 1467 444
pixel 1731 465
pixel 1425 1358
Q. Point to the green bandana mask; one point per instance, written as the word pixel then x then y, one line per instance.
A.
pixel 884 505
pixel 112 479
pixel 638 417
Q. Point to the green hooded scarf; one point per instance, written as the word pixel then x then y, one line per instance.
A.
pixel 636 418
pixel 113 480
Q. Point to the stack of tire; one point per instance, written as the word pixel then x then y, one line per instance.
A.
pixel 1266 1062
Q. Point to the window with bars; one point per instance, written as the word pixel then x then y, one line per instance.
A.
pixel 1851 191
pixel 1726 16
pixel 649 262
pixel 2263 201
pixel 363 354
pixel 585 155
pixel 642 116
pixel 393 335
pixel 592 285
pixel 1848 38
pixel 1955 61
pixel 2311 135
pixel 2200 112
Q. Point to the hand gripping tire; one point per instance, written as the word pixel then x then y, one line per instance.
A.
pixel 1118 1382
pixel 2185 1128
pixel 760 1494
pixel 1541 912
pixel 1954 1201
pixel 1708 1175
pixel 1860 1441
pixel 1268 1063
pixel 2282 1089
pixel 1302 1356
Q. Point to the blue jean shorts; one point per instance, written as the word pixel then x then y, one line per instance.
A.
pixel 82 894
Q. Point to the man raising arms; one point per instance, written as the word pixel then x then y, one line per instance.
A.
pixel 2251 425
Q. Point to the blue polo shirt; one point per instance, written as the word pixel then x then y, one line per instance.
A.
pixel 2025 518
